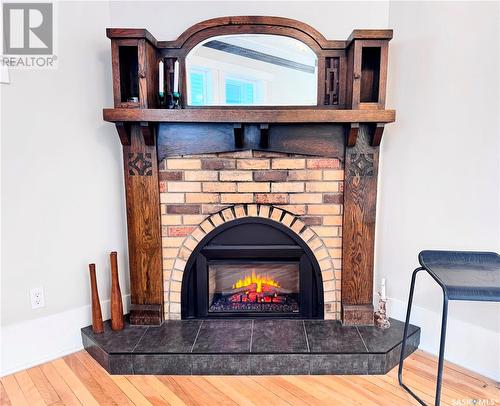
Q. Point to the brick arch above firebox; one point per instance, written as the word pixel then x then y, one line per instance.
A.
pixel 330 271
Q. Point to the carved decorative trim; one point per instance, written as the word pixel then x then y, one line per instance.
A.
pixel 249 25
pixel 140 164
pixel 331 81
pixel 361 165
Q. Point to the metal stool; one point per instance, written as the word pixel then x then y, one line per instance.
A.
pixel 473 276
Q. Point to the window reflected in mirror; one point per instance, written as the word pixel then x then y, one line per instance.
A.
pixel 251 70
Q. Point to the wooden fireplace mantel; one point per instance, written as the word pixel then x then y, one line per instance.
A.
pixel 249 115
pixel 351 90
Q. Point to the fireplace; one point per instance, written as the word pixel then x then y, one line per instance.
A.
pixel 252 267
pixel 251 218
pixel 253 287
pixel 204 147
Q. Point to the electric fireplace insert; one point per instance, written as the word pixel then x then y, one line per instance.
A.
pixel 253 286
pixel 252 267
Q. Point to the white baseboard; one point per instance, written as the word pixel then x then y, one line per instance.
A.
pixel 56 335
pixel 468 345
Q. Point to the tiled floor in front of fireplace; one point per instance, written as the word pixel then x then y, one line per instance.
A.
pixel 249 347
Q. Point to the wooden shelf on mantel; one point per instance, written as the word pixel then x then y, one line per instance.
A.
pixel 213 115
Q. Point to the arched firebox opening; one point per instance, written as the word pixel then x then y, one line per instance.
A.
pixel 252 267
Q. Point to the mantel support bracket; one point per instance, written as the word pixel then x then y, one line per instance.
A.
pixel 148 132
pixel 377 130
pixel 264 136
pixel 352 134
pixel 238 135
pixel 123 129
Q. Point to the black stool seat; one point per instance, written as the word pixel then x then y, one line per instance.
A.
pixel 462 275
pixel 465 275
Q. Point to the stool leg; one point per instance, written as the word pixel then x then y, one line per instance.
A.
pixel 441 348
pixel 405 336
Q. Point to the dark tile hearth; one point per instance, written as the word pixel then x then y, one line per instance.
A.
pixel 249 347
pixel 279 336
pixel 327 336
pixel 223 336
pixel 169 337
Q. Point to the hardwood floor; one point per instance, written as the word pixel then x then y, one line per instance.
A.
pixel 78 380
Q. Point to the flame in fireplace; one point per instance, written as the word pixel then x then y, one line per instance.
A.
pixel 258 280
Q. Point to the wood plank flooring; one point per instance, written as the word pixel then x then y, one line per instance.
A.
pixel 77 379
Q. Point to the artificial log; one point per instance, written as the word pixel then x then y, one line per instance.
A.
pixel 97 324
pixel 358 234
pixel 116 295
pixel 253 288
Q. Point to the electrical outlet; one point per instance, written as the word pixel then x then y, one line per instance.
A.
pixel 37 298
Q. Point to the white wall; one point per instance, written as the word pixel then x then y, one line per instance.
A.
pixel 167 20
pixel 439 176
pixel 62 187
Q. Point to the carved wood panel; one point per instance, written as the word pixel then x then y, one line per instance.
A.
pixel 144 232
pixel 360 195
pixel 140 164
pixel 332 79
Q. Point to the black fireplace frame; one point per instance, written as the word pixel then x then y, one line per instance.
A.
pixel 263 240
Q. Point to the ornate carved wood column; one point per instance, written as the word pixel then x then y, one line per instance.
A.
pixel 360 198
pixel 144 230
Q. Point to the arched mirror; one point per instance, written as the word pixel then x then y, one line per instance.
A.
pixel 251 70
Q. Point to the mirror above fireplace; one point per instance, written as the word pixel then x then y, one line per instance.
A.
pixel 251 70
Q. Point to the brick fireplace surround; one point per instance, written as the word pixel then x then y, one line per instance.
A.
pixel 201 192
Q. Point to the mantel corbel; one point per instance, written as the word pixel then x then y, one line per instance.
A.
pixel 147 130
pixel 352 134
pixel 377 131
pixel 123 129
